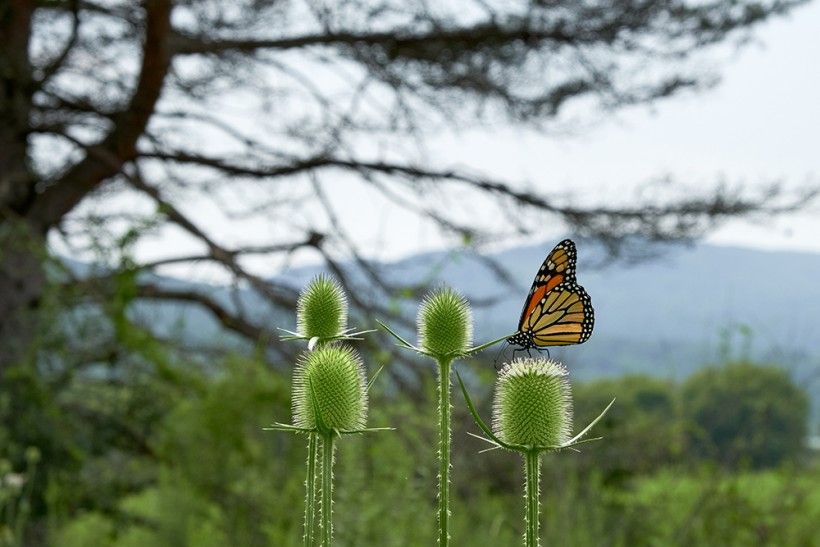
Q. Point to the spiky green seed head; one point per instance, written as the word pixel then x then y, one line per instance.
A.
pixel 445 323
pixel 329 390
pixel 533 403
pixel 321 311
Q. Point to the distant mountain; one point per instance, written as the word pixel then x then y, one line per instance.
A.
pixel 668 317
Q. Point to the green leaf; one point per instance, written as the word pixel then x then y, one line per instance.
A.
pixel 401 340
pixel 480 423
pixel 366 430
pixel 287 427
pixel 574 440
pixel 476 349
pixel 373 378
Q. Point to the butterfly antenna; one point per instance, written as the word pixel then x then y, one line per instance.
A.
pixel 495 361
pixel 500 351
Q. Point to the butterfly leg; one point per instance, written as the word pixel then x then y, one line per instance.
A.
pixel 495 361
pixel 516 351
pixel 539 350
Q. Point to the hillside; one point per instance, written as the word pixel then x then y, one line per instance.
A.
pixel 668 317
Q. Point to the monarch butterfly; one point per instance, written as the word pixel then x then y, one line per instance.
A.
pixel 557 311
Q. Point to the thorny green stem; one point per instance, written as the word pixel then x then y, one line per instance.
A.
pixel 327 489
pixel 310 489
pixel 444 453
pixel 532 464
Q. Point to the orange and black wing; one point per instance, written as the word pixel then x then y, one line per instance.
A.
pixel 557 268
pixel 557 311
pixel 562 317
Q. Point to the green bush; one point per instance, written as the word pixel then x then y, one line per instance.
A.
pixel 745 415
pixel 149 447
pixel 643 429
pixel 179 458
pixel 708 508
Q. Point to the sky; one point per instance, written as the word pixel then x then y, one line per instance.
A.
pixel 759 125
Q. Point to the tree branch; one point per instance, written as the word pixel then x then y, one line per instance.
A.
pixel 228 319
pixel 532 28
pixel 120 144
pixel 218 252
pixel 54 65
pixel 674 220
pixel 487 34
pixel 312 240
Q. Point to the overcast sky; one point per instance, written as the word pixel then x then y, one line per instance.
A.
pixel 761 124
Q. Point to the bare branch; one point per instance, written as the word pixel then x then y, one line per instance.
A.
pixel 597 26
pixel 396 41
pixel 277 296
pixel 55 64
pixel 672 220
pixel 225 317
pixel 313 239
pixel 83 177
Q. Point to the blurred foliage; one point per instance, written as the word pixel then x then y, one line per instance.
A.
pixel 712 508
pixel 745 414
pixel 152 448
pixel 642 430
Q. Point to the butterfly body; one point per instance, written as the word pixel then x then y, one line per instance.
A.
pixel 557 311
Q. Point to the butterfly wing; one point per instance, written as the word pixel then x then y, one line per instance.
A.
pixel 562 317
pixel 557 311
pixel 557 268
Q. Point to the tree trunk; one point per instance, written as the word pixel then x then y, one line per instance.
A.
pixel 21 244
pixel 22 281
pixel 26 214
pixel 16 89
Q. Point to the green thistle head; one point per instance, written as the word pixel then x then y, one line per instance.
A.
pixel 445 324
pixel 329 390
pixel 321 311
pixel 533 403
